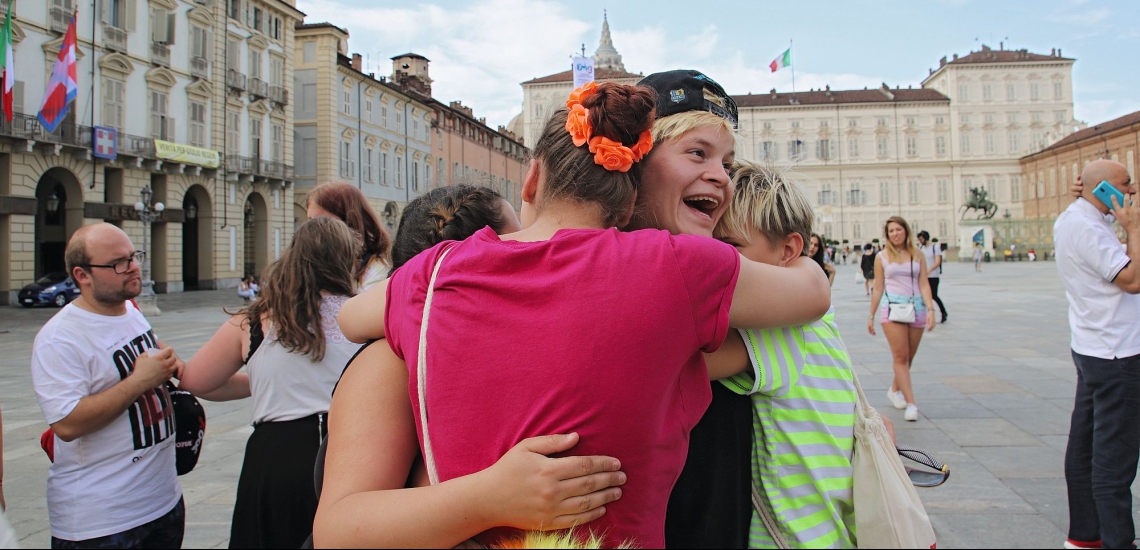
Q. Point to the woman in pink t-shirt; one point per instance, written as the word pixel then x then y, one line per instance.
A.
pixel 566 326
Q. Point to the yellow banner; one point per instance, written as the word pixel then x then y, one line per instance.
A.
pixel 176 152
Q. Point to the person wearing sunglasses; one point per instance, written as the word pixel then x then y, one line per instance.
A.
pixel 103 392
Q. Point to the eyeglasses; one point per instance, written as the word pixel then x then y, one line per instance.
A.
pixel 123 266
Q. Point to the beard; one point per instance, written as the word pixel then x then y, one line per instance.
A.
pixel 112 294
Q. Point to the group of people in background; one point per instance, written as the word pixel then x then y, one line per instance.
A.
pixel 646 351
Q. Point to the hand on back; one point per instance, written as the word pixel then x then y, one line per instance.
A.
pixel 537 492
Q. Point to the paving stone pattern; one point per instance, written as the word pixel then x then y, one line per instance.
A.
pixel 994 387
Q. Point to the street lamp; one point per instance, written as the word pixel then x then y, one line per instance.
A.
pixel 148 302
pixel 53 203
pixel 191 212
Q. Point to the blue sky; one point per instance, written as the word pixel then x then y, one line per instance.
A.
pixel 482 50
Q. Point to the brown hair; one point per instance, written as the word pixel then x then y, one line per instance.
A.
pixel 321 258
pixel 450 213
pixel 908 244
pixel 349 205
pixel 618 112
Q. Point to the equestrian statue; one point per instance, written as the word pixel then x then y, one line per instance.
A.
pixel 979 202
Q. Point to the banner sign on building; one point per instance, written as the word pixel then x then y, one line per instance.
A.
pixel 583 71
pixel 185 154
pixel 106 142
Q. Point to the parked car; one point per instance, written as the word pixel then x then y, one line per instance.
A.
pixel 54 288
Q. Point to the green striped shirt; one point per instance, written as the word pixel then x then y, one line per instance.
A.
pixel 803 401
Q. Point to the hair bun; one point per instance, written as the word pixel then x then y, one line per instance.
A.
pixel 621 112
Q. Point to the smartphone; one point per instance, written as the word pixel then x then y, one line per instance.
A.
pixel 1105 191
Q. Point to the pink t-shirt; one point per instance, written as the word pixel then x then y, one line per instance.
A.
pixel 594 331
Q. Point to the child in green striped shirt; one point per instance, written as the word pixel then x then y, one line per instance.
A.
pixel 802 387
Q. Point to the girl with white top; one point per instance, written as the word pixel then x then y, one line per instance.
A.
pixel 901 280
pixel 294 351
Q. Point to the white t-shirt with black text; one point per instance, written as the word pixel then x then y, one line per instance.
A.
pixel 123 475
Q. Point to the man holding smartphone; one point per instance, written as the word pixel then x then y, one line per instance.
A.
pixel 1102 281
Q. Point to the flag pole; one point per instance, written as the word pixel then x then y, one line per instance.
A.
pixel 793 70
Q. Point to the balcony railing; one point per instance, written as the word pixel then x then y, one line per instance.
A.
pixel 60 19
pixel 200 68
pixel 160 54
pixel 279 95
pixel 258 87
pixel 235 79
pixel 278 170
pixel 28 127
pixel 259 167
pixel 114 38
pixel 135 146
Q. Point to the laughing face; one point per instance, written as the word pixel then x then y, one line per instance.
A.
pixel 685 184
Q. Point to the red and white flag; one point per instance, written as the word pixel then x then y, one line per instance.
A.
pixel 63 86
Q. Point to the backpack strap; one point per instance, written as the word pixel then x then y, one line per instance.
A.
pixel 256 336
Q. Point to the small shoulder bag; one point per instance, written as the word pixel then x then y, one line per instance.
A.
pixel 902 312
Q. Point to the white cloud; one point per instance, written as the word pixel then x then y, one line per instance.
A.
pixel 481 51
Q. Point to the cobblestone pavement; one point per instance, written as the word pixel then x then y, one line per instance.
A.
pixel 994 386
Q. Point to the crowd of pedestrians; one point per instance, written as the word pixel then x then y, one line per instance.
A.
pixel 646 352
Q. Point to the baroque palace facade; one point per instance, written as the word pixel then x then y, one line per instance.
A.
pixel 387 135
pixel 186 97
pixel 865 155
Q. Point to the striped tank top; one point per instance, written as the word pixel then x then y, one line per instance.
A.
pixel 803 398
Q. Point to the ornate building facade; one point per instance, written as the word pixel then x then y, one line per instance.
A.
pixel 387 135
pixel 865 155
pixel 176 90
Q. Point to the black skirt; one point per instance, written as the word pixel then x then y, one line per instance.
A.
pixel 276 503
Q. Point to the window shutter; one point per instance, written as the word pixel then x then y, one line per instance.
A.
pixel 168 132
pixel 169 28
pixel 130 12
pixel 157 26
pixel 106 11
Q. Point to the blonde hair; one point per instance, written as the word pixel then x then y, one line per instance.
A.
pixel 675 126
pixel 768 201
pixel 558 540
pixel 894 253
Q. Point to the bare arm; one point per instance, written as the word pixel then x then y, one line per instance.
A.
pixel 876 294
pixel 237 387
pixel 97 411
pixel 924 288
pixel 830 270
pixel 216 363
pixel 371 448
pixel 361 318
pixel 730 359
pixel 769 296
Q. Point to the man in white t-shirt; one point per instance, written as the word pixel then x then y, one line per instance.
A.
pixel 933 254
pixel 100 382
pixel 1102 281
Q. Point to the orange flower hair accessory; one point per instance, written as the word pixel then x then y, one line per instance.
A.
pixel 611 155
pixel 578 124
pixel 643 146
pixel 608 154
pixel 581 93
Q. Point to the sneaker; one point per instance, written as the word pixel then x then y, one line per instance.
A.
pixel 911 414
pixel 1076 544
pixel 897 399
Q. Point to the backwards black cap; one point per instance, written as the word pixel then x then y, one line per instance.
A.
pixel 684 90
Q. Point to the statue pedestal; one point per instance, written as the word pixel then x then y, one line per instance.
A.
pixel 979 232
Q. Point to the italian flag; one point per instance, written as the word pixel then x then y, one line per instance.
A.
pixel 8 63
pixel 784 60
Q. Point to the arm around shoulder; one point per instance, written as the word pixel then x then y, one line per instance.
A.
pixel 768 296
pixel 361 318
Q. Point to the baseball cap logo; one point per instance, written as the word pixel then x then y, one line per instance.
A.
pixel 677 96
